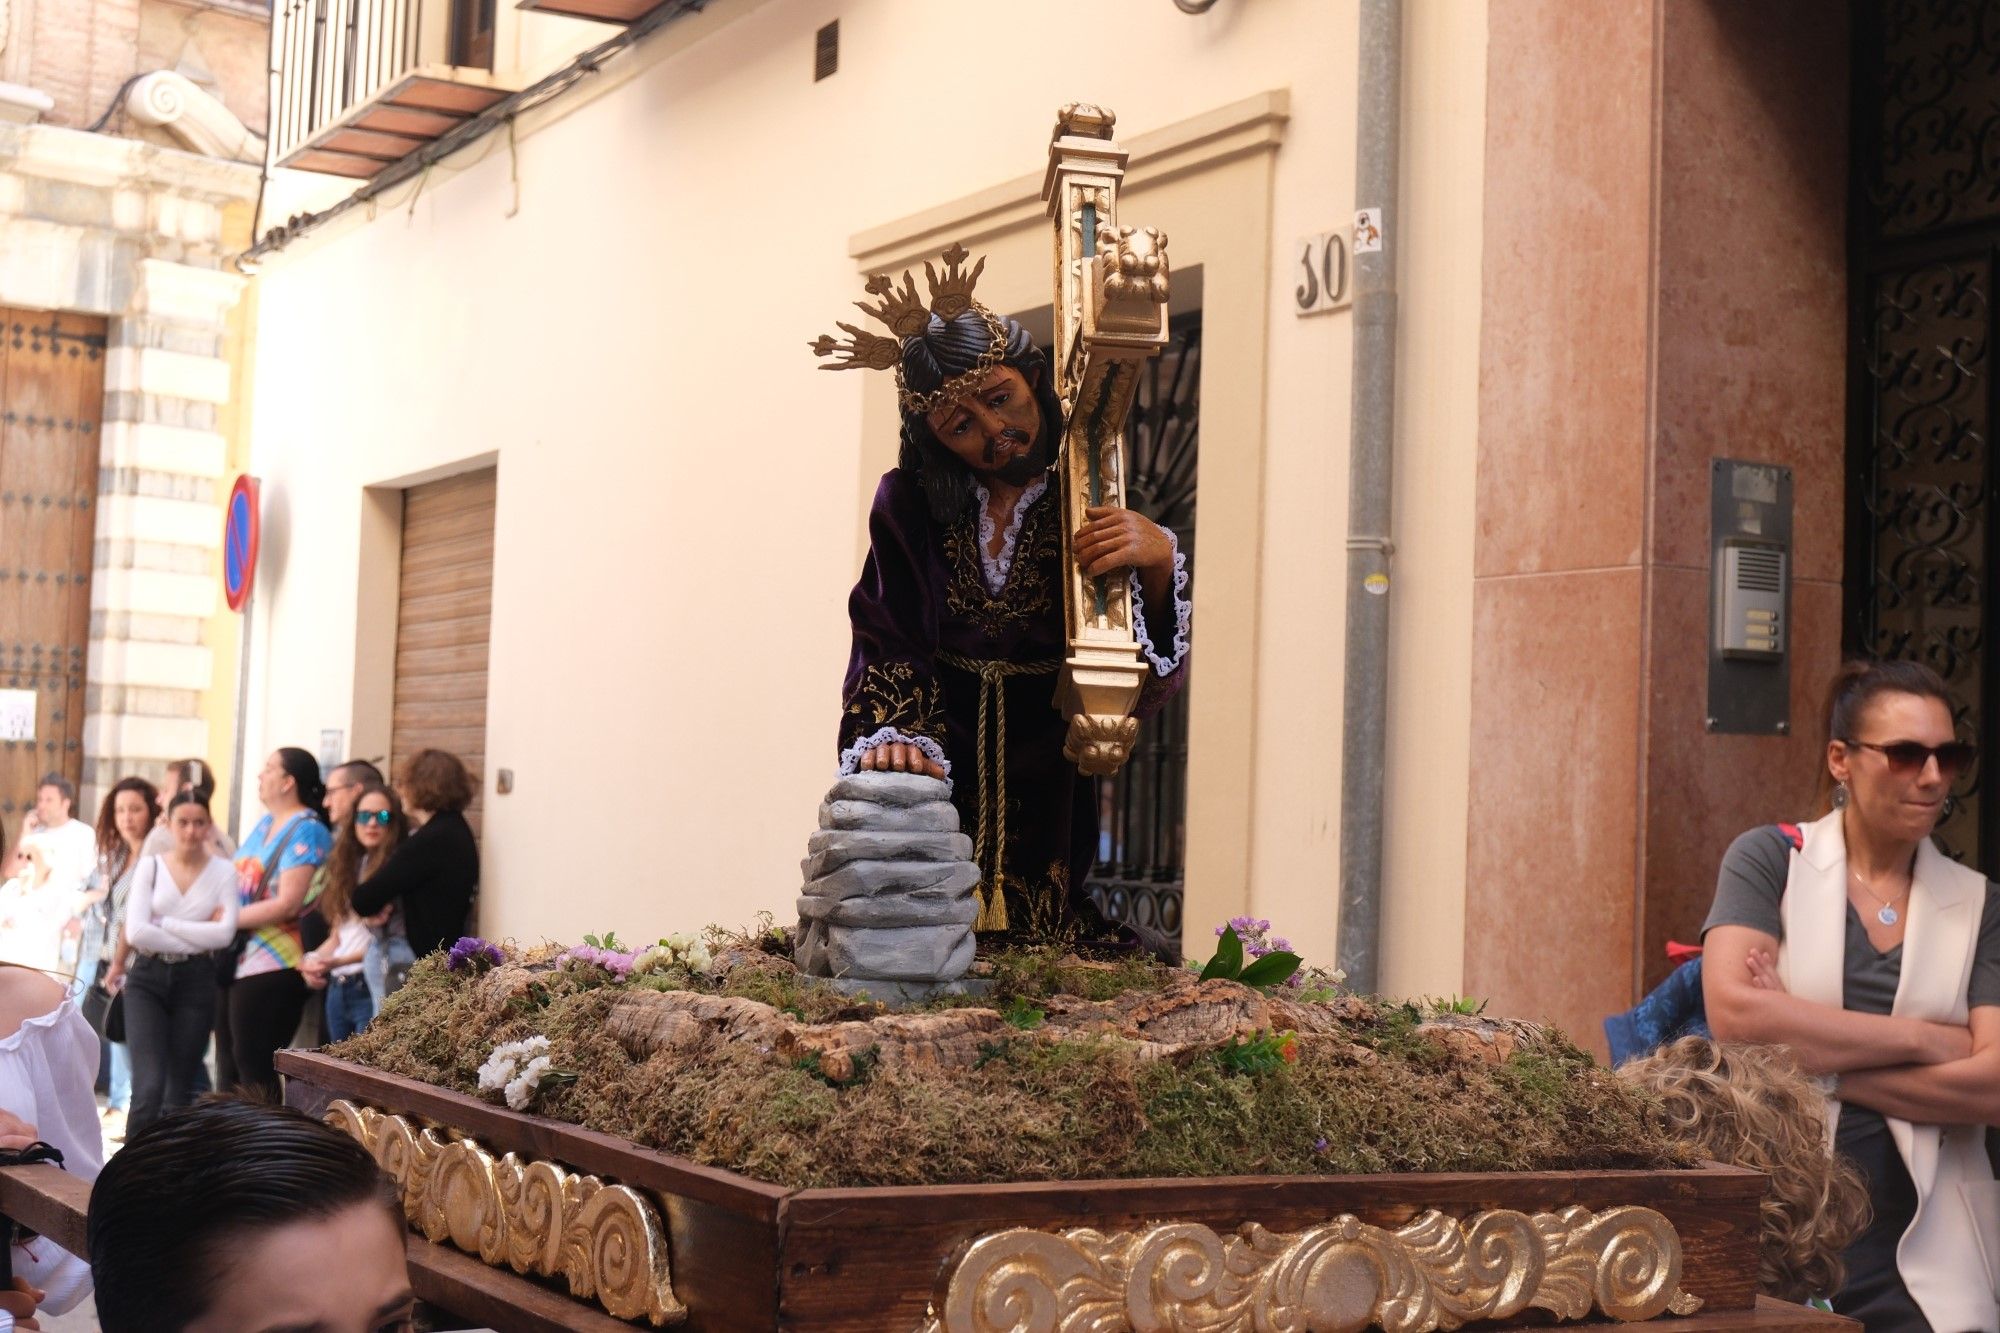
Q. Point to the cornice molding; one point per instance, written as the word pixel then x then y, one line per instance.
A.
pixel 1256 124
pixel 52 152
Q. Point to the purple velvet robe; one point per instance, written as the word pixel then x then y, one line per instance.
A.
pixel 924 613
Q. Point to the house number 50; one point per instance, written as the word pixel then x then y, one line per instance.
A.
pixel 1319 274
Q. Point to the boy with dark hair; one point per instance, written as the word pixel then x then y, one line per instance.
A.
pixel 233 1216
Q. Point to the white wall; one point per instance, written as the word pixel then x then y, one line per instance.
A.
pixel 679 494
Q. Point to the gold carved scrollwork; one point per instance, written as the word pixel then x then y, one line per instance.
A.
pixel 1099 743
pixel 1344 1277
pixel 605 1241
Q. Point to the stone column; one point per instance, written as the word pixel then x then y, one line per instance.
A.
pixel 158 524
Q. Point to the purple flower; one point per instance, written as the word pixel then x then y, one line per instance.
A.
pixel 617 964
pixel 1319 1144
pixel 472 954
pixel 1281 944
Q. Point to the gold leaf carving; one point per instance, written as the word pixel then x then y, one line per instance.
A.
pixel 1344 1277
pixel 1099 743
pixel 606 1241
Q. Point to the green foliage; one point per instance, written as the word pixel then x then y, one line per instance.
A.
pixel 1261 1053
pixel 608 942
pixel 1467 1005
pixel 1273 969
pixel 1019 1013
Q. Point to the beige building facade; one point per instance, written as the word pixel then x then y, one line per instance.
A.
pixel 602 310
pixel 129 173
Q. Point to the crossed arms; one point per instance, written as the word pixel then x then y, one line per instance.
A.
pixel 1927 1073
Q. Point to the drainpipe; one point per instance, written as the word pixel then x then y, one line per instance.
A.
pixel 1371 458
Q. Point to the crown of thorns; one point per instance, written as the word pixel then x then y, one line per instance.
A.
pixel 906 315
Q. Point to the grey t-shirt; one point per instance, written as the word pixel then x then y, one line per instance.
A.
pixel 1752 883
pixel 1747 893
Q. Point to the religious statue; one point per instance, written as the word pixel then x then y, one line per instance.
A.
pixel 1002 573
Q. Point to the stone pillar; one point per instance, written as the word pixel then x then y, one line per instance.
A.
pixel 160 479
pixel 133 231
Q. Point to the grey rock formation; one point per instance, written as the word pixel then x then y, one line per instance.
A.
pixel 889 892
pixel 897 789
pixel 830 849
pixel 900 953
pixel 931 817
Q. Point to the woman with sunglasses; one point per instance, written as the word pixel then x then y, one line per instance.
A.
pixel 1858 943
pixel 355 958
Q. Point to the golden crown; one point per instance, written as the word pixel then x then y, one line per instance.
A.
pixel 905 315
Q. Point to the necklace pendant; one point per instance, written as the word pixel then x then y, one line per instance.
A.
pixel 1887 916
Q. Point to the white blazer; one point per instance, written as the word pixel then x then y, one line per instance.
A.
pixel 1939 1256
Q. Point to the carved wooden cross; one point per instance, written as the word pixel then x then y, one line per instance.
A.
pixel 1110 316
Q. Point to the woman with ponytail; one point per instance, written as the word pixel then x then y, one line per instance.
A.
pixel 259 1011
pixel 1854 941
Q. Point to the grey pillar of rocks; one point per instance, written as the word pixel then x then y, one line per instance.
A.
pixel 890 888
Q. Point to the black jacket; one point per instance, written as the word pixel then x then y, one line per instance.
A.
pixel 434 872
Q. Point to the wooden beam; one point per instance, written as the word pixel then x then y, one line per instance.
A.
pixel 47 1200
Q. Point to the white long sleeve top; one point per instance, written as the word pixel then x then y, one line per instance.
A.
pixel 160 919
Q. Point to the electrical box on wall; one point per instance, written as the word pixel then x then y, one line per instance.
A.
pixel 1750 598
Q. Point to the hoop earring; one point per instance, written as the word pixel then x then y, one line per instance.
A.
pixel 1950 804
pixel 1840 795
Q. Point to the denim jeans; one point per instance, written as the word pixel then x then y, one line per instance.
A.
pixel 383 954
pixel 168 1008
pixel 121 1076
pixel 348 1007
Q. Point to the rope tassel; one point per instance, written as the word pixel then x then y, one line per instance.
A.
pixel 990 843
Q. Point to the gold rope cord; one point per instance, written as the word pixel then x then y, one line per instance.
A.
pixel 993 775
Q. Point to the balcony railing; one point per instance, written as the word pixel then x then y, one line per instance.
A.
pixel 360 84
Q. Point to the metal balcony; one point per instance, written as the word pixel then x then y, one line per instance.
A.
pixel 359 84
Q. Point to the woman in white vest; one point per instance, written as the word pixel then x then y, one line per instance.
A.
pixel 1857 943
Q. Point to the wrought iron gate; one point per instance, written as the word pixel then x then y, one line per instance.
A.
pixel 1142 810
pixel 1925 227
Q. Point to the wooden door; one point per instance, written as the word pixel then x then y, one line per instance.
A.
pixel 51 392
pixel 443 621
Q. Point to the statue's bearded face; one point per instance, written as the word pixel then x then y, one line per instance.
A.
pixel 997 432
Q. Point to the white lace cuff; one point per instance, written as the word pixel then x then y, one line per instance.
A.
pixel 850 758
pixel 1183 615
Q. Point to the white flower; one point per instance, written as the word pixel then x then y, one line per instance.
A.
pixel 679 943
pixel 652 959
pixel 502 1067
pixel 521 1091
pixel 699 960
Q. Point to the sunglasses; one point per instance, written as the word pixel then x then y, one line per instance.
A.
pixel 365 817
pixel 1907 757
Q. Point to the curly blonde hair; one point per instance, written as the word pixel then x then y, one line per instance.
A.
pixel 1750 1106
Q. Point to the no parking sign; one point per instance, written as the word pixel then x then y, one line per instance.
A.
pixel 239 542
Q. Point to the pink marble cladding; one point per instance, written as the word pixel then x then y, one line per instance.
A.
pixel 1664 284
pixel 1552 838
pixel 1752 303
pixel 1702 789
pixel 1554 826
pixel 1750 356
pixel 1563 364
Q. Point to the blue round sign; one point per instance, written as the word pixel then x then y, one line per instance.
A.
pixel 239 542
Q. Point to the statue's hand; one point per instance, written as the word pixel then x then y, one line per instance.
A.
pixel 897 757
pixel 1112 539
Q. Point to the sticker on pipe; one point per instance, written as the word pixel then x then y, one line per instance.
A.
pixel 1367 231
pixel 1375 585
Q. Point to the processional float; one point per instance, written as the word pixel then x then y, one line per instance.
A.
pixel 610 1235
